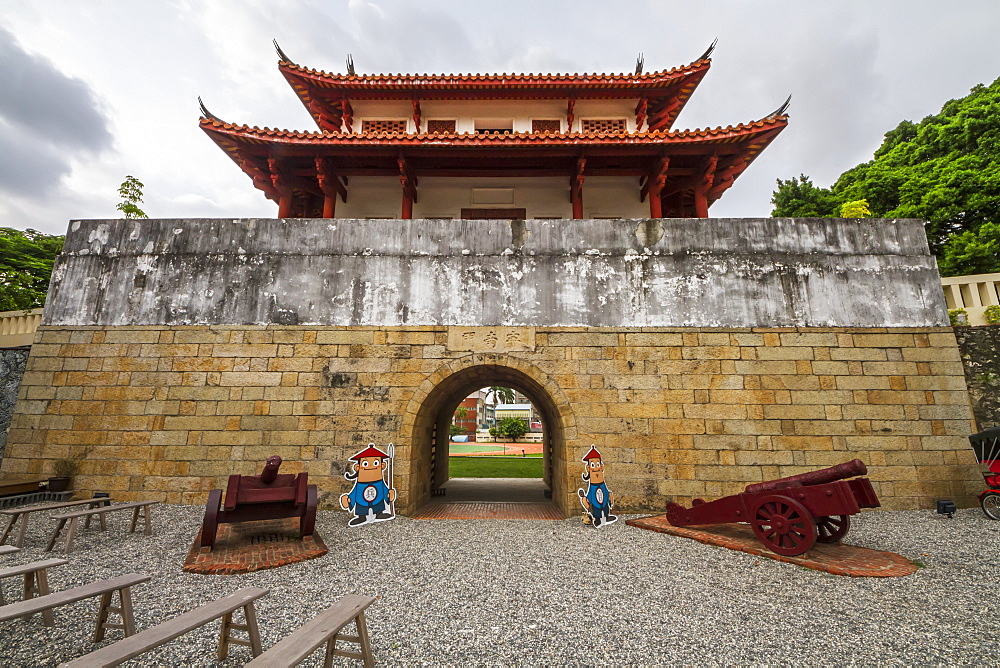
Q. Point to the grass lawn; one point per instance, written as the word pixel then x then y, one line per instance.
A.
pixel 474 447
pixel 495 467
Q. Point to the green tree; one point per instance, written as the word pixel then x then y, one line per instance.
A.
pixel 944 169
pixel 502 395
pixel 26 259
pixel 799 198
pixel 972 252
pixel 131 193
pixel 510 427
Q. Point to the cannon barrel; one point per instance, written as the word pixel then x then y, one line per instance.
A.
pixel 820 477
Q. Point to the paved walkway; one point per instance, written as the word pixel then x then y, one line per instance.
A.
pixel 491 498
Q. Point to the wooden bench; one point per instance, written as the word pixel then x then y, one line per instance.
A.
pixel 323 628
pixel 24 513
pixel 133 646
pixel 9 549
pixel 36 582
pixel 135 507
pixel 105 589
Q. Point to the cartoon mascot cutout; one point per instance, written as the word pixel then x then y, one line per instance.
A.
pixel 372 497
pixel 597 500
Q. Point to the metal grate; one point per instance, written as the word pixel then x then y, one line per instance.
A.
pixel 543 126
pixel 31 498
pixel 383 126
pixel 440 127
pixel 603 125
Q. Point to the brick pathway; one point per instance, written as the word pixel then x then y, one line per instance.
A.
pixel 488 511
pixel 253 546
pixel 837 559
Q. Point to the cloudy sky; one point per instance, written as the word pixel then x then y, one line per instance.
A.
pixel 93 90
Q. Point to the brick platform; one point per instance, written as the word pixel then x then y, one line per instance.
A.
pixel 489 511
pixel 837 559
pixel 254 546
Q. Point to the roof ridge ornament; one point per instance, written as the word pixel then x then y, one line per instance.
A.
pixel 205 113
pixel 780 111
pixel 640 64
pixel 350 66
pixel 708 52
pixel 282 58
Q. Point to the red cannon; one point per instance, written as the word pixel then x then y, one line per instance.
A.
pixel 789 515
pixel 986 445
pixel 268 496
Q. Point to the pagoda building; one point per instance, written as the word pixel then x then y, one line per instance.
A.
pixel 494 146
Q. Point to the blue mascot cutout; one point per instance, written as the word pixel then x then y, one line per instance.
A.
pixel 598 499
pixel 371 499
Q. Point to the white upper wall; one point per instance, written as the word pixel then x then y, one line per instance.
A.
pixel 445 197
pixel 517 113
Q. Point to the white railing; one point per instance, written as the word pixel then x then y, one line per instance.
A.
pixel 17 328
pixel 972 293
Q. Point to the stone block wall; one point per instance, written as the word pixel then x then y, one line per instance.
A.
pixel 12 363
pixel 980 348
pixel 167 412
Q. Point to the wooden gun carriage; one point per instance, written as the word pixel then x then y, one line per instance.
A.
pixel 267 496
pixel 790 515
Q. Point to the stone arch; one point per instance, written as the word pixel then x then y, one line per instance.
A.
pixel 425 422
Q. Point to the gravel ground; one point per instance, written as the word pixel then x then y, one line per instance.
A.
pixel 492 592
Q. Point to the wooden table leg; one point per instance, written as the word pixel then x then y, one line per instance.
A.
pixel 103 610
pixel 366 648
pixel 37 584
pixel 10 525
pixel 250 614
pixel 22 532
pixel 55 535
pixel 128 617
pixel 224 631
pixel 149 521
pixel 70 535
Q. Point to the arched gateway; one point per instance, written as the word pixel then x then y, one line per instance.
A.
pixel 429 415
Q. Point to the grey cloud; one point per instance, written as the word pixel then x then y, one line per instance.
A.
pixel 39 98
pixel 28 167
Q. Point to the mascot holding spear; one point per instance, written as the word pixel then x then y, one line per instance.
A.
pixel 371 499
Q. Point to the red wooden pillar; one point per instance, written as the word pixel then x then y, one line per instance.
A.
pixel 409 183
pixel 701 190
pixel 285 205
pixel 655 205
pixel 701 202
pixel 576 189
pixel 656 183
pixel 329 205
pixel 576 197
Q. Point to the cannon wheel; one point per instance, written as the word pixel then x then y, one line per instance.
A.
pixel 831 528
pixel 991 505
pixel 783 525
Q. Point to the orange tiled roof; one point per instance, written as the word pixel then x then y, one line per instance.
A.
pixel 481 81
pixel 716 135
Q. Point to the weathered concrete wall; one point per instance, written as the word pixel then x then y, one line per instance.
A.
pixel 980 348
pixel 12 363
pixel 168 412
pixel 598 273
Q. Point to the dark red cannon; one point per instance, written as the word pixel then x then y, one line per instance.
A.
pixel 790 514
pixel 986 445
pixel 268 496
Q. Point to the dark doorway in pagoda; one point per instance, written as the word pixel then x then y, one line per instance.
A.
pixel 463 461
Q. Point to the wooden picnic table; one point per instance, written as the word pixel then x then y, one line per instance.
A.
pixel 24 513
